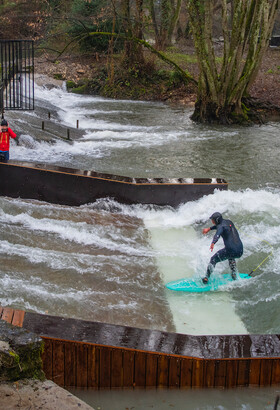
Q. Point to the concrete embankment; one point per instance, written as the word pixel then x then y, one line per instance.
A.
pixel 35 394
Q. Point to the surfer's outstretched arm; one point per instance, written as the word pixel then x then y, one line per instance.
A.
pixel 205 230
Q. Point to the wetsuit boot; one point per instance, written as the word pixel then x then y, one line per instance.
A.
pixel 210 269
pixel 233 268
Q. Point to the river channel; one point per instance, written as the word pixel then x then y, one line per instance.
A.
pixel 109 262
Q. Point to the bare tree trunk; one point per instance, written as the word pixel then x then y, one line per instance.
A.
pixel 164 20
pixel 247 26
pixel 174 18
pixel 154 20
pixel 110 63
pixel 133 26
pixel 127 26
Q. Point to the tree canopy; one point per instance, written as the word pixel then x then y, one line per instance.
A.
pixel 246 29
pixel 230 38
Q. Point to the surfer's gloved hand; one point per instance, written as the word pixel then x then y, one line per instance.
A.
pixel 205 280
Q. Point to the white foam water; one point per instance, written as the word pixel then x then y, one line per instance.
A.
pixel 182 251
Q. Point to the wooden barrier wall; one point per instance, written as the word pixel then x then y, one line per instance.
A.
pixel 95 366
pixel 74 187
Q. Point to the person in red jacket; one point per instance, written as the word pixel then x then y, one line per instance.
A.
pixel 5 135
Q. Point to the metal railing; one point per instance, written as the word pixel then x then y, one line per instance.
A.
pixel 16 75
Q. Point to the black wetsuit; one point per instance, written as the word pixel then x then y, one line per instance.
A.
pixel 233 245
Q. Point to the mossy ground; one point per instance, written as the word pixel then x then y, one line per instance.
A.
pixel 111 77
pixel 151 82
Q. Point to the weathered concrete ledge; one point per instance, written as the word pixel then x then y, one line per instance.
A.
pixel 35 394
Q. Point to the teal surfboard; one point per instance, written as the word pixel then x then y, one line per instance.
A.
pixel 196 285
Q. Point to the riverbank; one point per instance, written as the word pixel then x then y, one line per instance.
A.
pixel 89 74
pixel 34 394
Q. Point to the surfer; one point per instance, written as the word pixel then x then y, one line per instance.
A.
pixel 233 245
pixel 5 135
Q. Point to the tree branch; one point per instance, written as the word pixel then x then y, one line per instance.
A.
pixel 187 77
pixel 185 74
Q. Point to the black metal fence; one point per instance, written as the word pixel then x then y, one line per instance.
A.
pixel 17 75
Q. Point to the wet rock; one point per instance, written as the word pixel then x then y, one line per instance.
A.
pixel 47 81
pixel 20 353
pixel 7 356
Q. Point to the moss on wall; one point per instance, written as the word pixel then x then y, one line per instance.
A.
pixel 20 353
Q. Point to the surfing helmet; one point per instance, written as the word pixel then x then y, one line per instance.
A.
pixel 217 217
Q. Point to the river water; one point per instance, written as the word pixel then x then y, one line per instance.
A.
pixel 109 262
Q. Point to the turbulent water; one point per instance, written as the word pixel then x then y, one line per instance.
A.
pixel 109 262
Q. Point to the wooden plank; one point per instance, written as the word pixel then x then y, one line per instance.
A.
pixel 232 370
pixel 47 358
pixel 254 373
pixel 174 372
pixel 162 371
pixel 151 370
pixel 243 372
pixel 265 373
pixel 18 318
pixel 220 373
pixel 128 368
pixel 186 372
pixel 117 368
pixel 198 373
pixel 8 314
pixel 209 373
pixel 82 365
pixel 58 362
pixel 93 366
pixel 275 376
pixel 105 366
pixel 140 369
pixel 70 364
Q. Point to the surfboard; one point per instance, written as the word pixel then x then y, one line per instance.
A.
pixel 196 284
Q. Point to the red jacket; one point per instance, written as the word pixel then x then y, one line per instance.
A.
pixel 5 139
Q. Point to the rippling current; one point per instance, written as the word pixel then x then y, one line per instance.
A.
pixel 109 262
